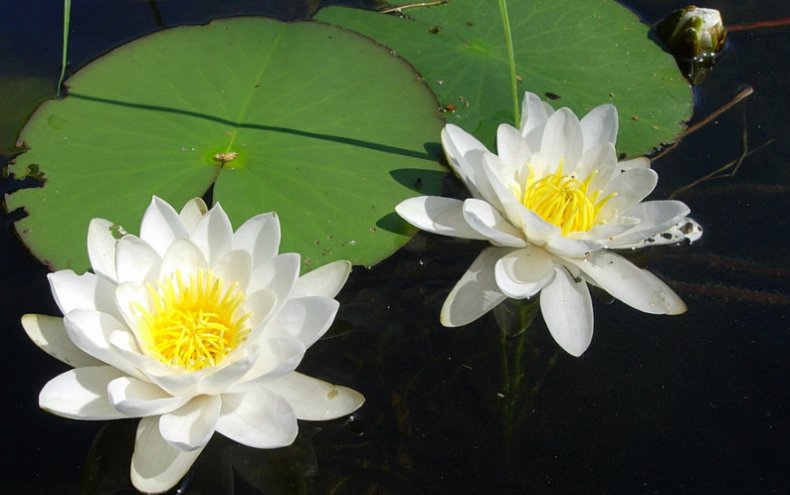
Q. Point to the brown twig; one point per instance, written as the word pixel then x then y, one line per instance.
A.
pixel 747 26
pixel 728 169
pixel 743 94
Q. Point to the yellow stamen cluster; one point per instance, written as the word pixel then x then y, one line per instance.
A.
pixel 192 324
pixel 564 201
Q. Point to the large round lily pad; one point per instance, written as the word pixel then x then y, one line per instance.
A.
pixel 321 125
pixel 579 53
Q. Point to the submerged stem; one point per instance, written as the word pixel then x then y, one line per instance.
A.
pixel 511 60
pixel 64 56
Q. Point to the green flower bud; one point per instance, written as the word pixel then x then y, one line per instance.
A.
pixel 693 32
pixel 694 36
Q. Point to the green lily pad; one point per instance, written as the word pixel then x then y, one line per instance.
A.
pixel 580 53
pixel 319 124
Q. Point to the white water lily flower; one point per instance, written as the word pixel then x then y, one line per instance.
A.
pixel 553 203
pixel 194 328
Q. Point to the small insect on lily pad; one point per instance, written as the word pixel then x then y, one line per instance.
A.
pixel 321 125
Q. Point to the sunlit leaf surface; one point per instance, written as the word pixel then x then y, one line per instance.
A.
pixel 321 125
pixel 575 53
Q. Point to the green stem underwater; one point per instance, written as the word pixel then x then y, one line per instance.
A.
pixel 511 60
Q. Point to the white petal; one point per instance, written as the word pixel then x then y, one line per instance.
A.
pixel 257 419
pixel 629 188
pixel 278 274
pixel 260 235
pixel 182 256
pixel 638 162
pixel 72 291
pixel 436 214
pixel 101 247
pixel 653 218
pixel 260 305
pixel 156 465
pixel 81 394
pixel 567 311
pixel 600 126
pixel 634 286
pixel 523 272
pixel 501 179
pixel 213 234
pixel 49 333
pixel 128 295
pixel 561 143
pixel 566 247
pixel 601 159
pixel 313 399
pixel 326 280
pixel 234 267
pixel 191 426
pixel 464 153
pixel 223 378
pixel 486 220
pixel 476 293
pixel 276 357
pixel 511 147
pixel 91 330
pixel 536 230
pixel 136 398
pixel 136 260
pixel 192 212
pixel 305 318
pixel 161 226
pixel 534 113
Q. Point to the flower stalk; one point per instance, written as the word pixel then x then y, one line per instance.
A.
pixel 511 59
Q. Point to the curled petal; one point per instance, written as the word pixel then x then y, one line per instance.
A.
pixel 476 293
pixel 101 247
pixel 524 272
pixel 136 398
pixel 72 291
pixel 486 220
pixel 81 394
pixel 326 280
pixel 512 149
pixel 567 310
pixel 439 215
pixel 634 286
pixel 49 333
pixel 258 418
pixel 161 226
pixel 314 399
pixel 191 426
pixel 534 113
pixel 156 465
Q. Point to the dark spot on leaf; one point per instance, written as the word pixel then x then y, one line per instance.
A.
pixel 434 30
pixel 552 96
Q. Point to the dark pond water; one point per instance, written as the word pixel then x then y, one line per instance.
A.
pixel 691 404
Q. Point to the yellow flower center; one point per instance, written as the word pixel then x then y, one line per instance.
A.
pixel 192 324
pixel 564 201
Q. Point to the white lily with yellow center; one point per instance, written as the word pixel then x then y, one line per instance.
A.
pixel 552 203
pixel 194 328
